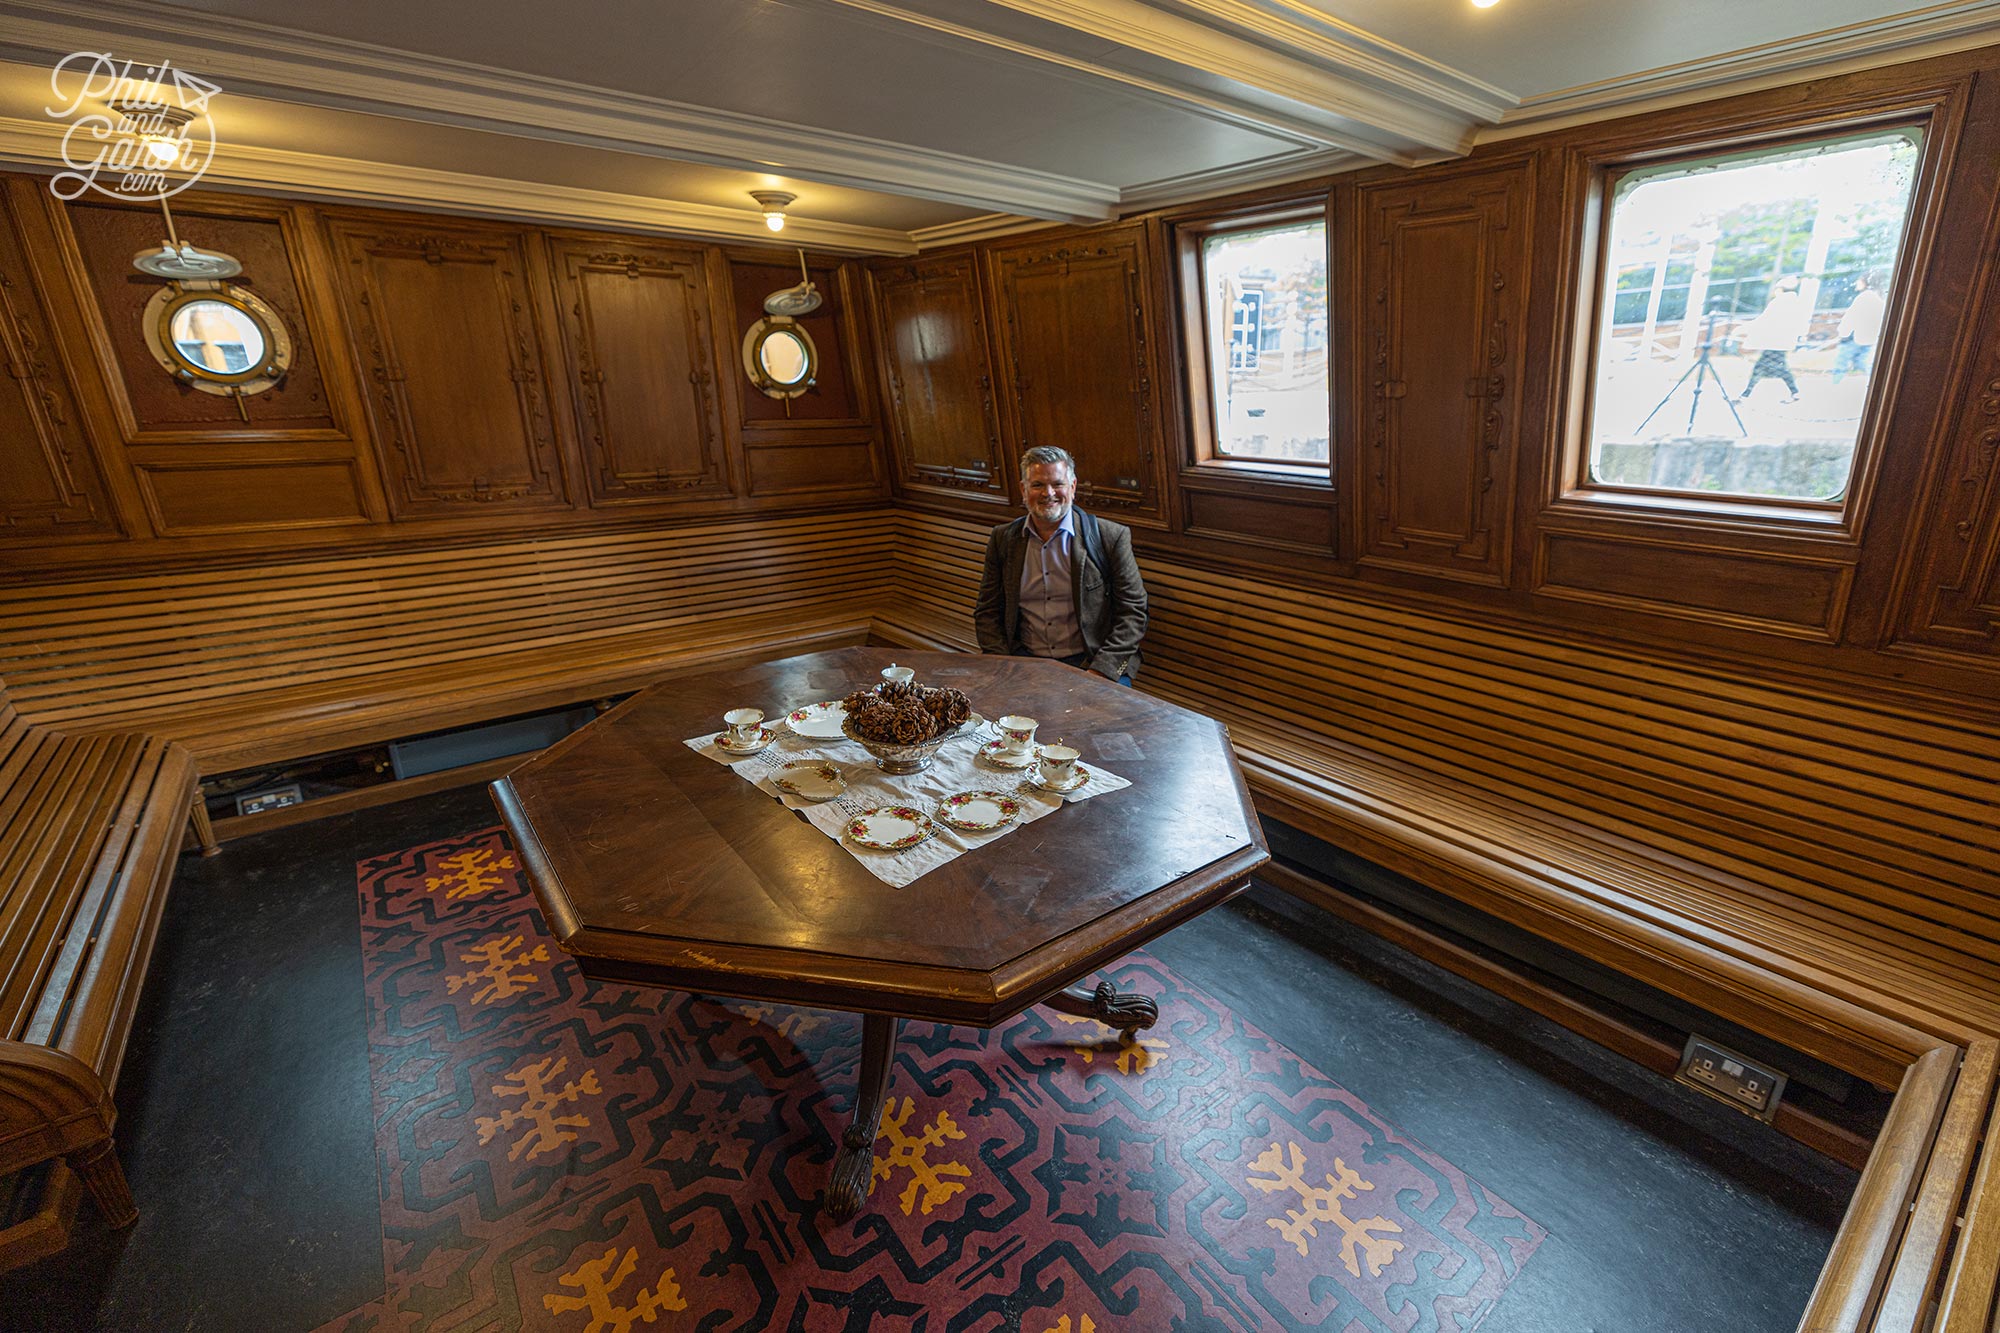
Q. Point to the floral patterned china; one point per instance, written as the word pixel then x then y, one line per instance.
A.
pixel 757 741
pixel 820 722
pixel 997 754
pixel 812 779
pixel 1079 780
pixel 889 828
pixel 978 811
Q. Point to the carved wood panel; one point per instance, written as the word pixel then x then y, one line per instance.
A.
pixel 1444 266
pixel 49 484
pixel 1953 596
pixel 947 428
pixel 1077 355
pixel 445 329
pixel 641 359
pixel 155 407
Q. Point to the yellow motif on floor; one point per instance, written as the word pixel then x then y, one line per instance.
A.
pixel 1323 1205
pixel 905 1151
pixel 606 1317
pixel 1136 1054
pixel 795 1024
pixel 1063 1325
pixel 498 969
pixel 469 874
pixel 547 1129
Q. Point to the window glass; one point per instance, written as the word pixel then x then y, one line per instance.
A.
pixel 784 357
pixel 217 336
pixel 1266 315
pixel 1743 306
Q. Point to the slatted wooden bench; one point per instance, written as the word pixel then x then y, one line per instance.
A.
pixel 257 663
pixel 89 830
pixel 1821 868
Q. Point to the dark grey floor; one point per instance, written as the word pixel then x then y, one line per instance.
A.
pixel 245 1111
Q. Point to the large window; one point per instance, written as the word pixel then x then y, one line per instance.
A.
pixel 1741 308
pixel 1264 335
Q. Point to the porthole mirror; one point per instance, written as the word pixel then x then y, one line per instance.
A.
pixel 218 338
pixel 779 357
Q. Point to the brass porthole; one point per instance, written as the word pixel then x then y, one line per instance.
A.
pixel 779 357
pixel 218 338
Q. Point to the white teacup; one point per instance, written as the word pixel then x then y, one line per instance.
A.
pixel 899 675
pixel 1058 765
pixel 745 725
pixel 1017 734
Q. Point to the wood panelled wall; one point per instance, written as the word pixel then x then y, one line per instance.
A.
pixel 453 379
pixel 1461 311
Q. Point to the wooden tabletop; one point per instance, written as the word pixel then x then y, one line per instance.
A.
pixel 654 863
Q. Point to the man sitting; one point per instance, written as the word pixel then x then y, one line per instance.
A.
pixel 1059 582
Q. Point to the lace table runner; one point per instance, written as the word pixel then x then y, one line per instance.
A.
pixel 957 768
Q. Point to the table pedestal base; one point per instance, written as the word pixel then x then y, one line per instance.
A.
pixel 854 1165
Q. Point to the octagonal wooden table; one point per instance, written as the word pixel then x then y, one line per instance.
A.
pixel 654 864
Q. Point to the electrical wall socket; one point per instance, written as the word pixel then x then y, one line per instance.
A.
pixel 1723 1073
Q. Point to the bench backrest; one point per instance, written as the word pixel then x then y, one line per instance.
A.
pixel 137 649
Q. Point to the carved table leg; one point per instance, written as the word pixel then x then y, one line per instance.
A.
pixel 1127 1013
pixel 854 1166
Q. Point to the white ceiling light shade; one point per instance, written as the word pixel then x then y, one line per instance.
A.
pixel 1484 4
pixel 158 126
pixel 774 203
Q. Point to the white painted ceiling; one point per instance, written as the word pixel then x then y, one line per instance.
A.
pixel 908 122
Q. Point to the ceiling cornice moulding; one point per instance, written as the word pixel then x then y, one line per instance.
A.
pixel 991 227
pixel 38 146
pixel 256 58
pixel 1939 30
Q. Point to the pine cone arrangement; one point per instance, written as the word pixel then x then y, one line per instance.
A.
pixel 902 713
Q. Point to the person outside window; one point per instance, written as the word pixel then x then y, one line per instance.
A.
pixel 1773 334
pixel 1860 329
pixel 1059 582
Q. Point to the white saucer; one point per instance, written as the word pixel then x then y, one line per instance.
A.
pixel 1082 779
pixel 820 722
pixel 765 736
pixel 994 755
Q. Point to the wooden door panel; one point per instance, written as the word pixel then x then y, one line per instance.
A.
pixel 1443 268
pixel 635 326
pixel 49 484
pixel 1077 344
pixel 941 393
pixel 457 390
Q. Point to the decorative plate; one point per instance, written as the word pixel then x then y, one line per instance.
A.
pixel 978 811
pixel 820 722
pixel 813 779
pixel 889 828
pixel 994 752
pixel 764 735
pixel 1081 779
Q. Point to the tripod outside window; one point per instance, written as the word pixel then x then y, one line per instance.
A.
pixel 1700 372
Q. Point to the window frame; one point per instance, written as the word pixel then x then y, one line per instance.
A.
pixel 1191 275
pixel 1594 174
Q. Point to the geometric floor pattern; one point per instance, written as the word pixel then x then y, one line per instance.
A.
pixel 558 1154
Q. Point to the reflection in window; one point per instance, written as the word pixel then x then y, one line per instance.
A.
pixel 783 357
pixel 216 336
pixel 1266 326
pixel 1743 304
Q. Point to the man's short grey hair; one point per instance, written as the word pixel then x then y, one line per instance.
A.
pixel 1047 453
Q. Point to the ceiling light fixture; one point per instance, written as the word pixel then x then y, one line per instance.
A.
pixel 773 202
pixel 161 128
pixel 1484 4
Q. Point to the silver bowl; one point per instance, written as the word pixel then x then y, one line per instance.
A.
pixel 901 758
